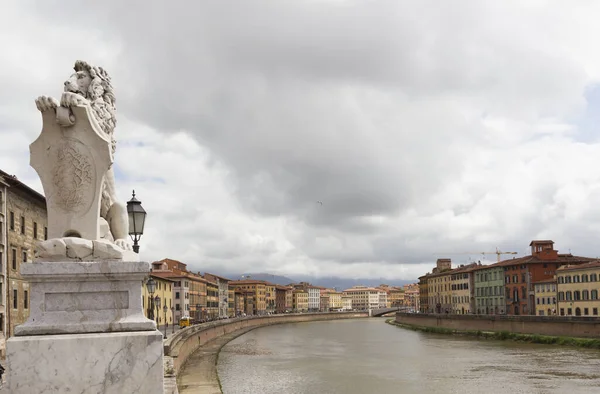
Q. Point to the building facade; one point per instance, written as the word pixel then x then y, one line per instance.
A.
pixel 258 290
pixel 23 223
pixel 300 300
pixel 423 294
pixel 545 297
pixel 163 295
pixel 577 289
pixel 223 293
pixel 521 273
pixel 489 290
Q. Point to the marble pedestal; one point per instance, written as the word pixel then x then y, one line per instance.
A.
pixel 82 297
pixel 115 363
pixel 86 332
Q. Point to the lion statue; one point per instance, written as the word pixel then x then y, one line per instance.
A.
pixel 91 86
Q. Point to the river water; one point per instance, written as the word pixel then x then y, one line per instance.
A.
pixel 369 356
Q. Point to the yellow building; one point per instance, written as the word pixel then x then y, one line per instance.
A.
pixel 231 305
pixel 335 300
pixel 577 289
pixel 299 300
pixel 545 297
pixel 395 297
pixel 212 300
pixel 270 297
pixel 461 280
pixel 440 292
pixel 258 289
pixel 164 292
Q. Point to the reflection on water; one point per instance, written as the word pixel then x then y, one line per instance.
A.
pixel 369 356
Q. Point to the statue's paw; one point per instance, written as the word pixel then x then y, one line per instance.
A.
pixel 69 99
pixel 123 244
pixel 44 103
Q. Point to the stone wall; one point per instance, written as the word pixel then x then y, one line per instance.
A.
pixel 186 341
pixel 581 327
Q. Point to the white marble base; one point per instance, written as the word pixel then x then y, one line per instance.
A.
pixel 109 363
pixel 84 297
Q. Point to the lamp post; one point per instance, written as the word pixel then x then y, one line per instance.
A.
pixel 151 286
pixel 157 303
pixel 165 309
pixel 173 316
pixel 137 218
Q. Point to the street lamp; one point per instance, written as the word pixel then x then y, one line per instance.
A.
pixel 157 303
pixel 137 218
pixel 151 286
pixel 165 309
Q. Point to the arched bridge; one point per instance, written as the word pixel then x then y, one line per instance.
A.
pixel 384 311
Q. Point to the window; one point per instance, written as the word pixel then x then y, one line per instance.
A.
pixel 569 296
pixel 537 300
pixel 523 292
pixel 576 295
pixel 593 278
pixel 586 311
pixel 35 235
pixel 595 311
pixel 25 300
pixel 523 278
pixel 594 294
pixel 176 295
pixel 24 256
pixel 14 259
pixel 584 278
pixel 562 311
pixel 585 295
pixel 22 224
pixel 177 307
pixel 507 279
pixel 15 298
pixel 12 221
pixel 45 233
pixel 561 279
pixel 569 311
pixel 561 296
pixel 576 279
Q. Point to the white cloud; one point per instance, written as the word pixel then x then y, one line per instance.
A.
pixel 422 128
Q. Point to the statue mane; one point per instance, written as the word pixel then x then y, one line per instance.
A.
pixel 101 96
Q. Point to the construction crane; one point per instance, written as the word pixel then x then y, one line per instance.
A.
pixel 498 253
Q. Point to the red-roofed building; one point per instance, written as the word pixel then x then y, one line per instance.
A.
pixel 521 273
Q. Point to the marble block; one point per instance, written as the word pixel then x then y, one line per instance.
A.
pixel 85 297
pixel 107 363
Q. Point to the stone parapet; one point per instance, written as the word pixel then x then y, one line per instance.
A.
pixel 572 326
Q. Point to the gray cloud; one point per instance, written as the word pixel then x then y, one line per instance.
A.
pixel 420 126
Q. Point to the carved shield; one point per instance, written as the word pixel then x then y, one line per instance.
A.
pixel 71 162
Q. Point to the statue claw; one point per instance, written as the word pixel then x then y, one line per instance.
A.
pixel 123 244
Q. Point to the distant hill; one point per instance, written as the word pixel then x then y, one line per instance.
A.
pixel 277 279
pixel 330 282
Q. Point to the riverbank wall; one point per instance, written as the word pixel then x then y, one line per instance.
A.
pixel 180 346
pixel 559 326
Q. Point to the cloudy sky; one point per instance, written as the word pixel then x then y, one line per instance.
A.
pixel 423 127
